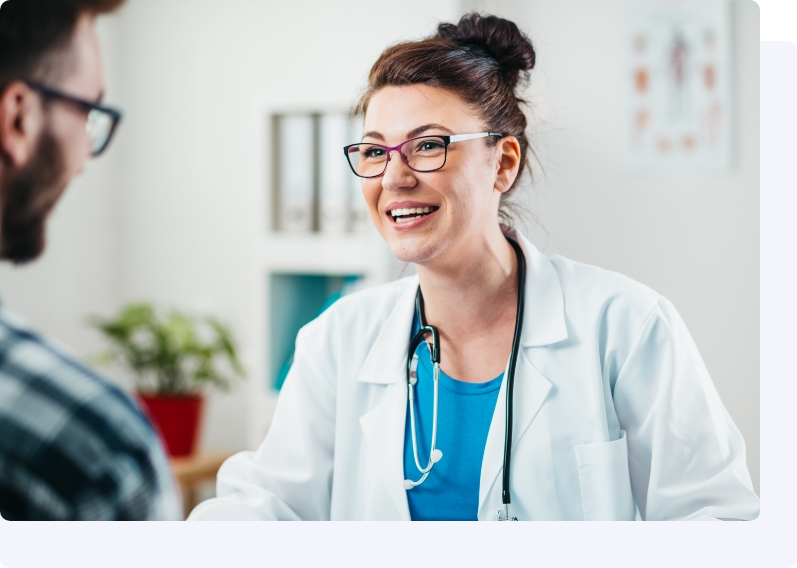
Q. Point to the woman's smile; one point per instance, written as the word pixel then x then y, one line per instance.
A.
pixel 408 215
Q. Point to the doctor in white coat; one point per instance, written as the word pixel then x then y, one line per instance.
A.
pixel 615 416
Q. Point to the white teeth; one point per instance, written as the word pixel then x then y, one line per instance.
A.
pixel 410 211
pixel 405 219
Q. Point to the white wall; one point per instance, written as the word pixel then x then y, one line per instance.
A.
pixel 693 238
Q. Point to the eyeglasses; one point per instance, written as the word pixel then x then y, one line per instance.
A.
pixel 421 154
pixel 101 122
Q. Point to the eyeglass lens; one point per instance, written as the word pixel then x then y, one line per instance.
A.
pixel 98 127
pixel 424 154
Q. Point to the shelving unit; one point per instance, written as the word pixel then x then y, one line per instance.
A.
pixel 305 273
pixel 313 253
pixel 319 238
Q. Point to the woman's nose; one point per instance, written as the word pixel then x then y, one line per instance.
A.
pixel 398 175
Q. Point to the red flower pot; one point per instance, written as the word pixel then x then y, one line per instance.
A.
pixel 177 420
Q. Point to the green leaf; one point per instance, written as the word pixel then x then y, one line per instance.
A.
pixel 172 352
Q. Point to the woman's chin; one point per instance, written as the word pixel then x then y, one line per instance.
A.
pixel 412 249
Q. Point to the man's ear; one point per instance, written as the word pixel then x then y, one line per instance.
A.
pixel 508 165
pixel 21 122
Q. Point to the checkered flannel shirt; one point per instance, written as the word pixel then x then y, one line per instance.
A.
pixel 73 446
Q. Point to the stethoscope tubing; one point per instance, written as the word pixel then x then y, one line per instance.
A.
pixel 434 424
pixel 510 379
pixel 411 380
pixel 435 356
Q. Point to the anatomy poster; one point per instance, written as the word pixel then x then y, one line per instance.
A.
pixel 678 84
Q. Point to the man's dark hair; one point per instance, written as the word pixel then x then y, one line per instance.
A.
pixel 35 45
pixel 35 36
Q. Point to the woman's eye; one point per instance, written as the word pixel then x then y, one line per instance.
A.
pixel 373 153
pixel 429 145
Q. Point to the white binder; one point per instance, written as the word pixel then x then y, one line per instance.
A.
pixel 296 157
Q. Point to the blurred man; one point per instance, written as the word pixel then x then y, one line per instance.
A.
pixel 71 445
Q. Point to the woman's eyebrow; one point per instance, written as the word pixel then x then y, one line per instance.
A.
pixel 421 129
pixel 412 133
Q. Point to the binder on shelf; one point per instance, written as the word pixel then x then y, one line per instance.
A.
pixel 334 179
pixel 296 172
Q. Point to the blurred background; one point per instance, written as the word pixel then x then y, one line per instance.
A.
pixel 644 118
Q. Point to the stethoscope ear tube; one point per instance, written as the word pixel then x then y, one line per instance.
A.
pixel 434 351
pixel 412 362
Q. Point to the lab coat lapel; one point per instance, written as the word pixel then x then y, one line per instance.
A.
pixel 543 324
pixel 383 425
pixel 531 390
pixel 544 313
pixel 388 354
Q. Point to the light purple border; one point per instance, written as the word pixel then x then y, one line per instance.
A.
pixel 769 541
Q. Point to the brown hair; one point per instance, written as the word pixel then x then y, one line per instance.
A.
pixel 485 60
pixel 35 36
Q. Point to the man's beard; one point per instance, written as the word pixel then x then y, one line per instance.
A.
pixel 27 198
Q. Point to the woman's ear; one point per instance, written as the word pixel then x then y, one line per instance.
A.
pixel 508 165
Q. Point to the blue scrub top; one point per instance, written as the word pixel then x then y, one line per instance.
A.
pixel 465 410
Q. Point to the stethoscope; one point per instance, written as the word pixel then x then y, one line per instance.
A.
pixel 435 455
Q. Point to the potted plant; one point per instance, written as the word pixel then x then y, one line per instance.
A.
pixel 172 359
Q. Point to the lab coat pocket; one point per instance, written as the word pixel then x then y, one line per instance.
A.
pixel 605 481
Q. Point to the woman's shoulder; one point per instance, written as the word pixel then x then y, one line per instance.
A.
pixel 386 293
pixel 592 288
pixel 348 329
pixel 375 300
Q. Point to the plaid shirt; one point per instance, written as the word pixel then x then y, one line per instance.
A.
pixel 73 446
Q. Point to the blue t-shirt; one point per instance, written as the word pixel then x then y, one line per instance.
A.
pixel 465 410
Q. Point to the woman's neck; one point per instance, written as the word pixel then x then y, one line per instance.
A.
pixel 473 293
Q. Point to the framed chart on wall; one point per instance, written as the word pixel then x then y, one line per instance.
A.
pixel 678 84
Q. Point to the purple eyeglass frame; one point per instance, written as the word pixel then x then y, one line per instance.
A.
pixel 388 149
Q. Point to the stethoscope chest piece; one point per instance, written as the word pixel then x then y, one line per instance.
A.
pixel 503 514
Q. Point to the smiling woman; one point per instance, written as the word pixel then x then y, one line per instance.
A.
pixel 499 383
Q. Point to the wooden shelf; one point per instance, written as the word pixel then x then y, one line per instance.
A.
pixel 196 470
pixel 319 253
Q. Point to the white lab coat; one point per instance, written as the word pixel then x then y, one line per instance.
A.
pixel 615 415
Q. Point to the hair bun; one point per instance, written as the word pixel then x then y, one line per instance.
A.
pixel 498 38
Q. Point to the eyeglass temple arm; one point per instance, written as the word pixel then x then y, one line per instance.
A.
pixel 88 105
pixel 461 137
